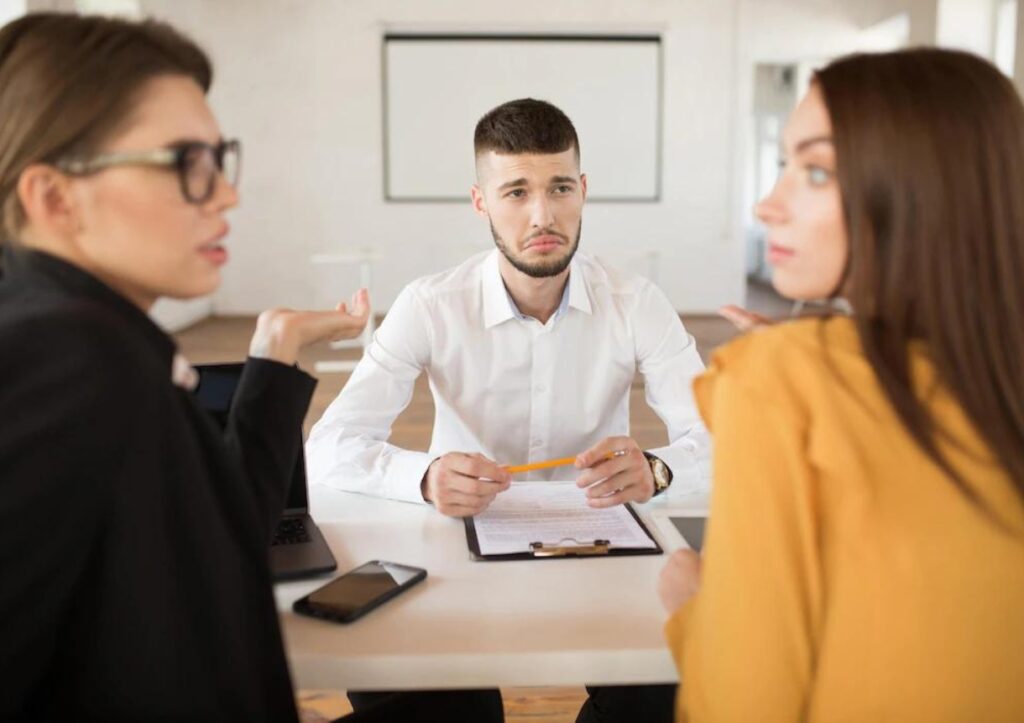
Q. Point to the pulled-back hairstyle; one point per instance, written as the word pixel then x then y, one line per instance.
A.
pixel 68 81
pixel 930 158
pixel 525 126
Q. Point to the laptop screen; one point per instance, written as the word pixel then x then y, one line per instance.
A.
pixel 217 384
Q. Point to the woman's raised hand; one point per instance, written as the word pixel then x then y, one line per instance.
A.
pixel 281 333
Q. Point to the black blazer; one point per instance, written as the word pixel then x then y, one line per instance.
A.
pixel 133 532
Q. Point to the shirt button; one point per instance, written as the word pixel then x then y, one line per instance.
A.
pixel 541 389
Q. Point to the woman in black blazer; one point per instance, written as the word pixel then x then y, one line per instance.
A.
pixel 133 532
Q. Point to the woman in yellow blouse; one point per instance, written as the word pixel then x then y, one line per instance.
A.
pixel 865 553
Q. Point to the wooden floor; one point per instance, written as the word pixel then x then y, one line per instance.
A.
pixel 223 339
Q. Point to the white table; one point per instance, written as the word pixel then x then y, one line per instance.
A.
pixel 480 624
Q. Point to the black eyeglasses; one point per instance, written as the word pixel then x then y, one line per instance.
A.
pixel 196 163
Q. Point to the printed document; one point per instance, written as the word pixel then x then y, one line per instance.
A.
pixel 556 514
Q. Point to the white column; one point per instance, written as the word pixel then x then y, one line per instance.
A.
pixel 924 22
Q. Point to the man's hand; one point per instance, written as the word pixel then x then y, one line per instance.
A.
pixel 625 477
pixel 680 579
pixel 281 333
pixel 463 485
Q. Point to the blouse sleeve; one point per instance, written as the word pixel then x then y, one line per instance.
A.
pixel 745 643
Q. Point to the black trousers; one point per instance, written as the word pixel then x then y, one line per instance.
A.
pixel 606 704
pixel 629 703
pixel 428 706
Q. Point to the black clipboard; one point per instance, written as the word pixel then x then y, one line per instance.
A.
pixel 577 548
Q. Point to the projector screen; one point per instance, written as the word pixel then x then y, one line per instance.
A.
pixel 436 88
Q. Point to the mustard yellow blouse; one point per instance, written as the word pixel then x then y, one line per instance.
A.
pixel 845 578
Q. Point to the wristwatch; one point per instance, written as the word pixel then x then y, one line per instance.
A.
pixel 662 474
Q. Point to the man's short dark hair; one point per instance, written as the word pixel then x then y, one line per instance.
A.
pixel 525 126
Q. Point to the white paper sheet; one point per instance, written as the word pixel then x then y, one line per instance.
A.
pixel 554 513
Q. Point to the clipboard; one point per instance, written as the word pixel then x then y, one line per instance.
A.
pixel 565 548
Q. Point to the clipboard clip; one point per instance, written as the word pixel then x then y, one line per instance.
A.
pixel 598 547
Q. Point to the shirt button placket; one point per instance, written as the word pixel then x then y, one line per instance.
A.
pixel 542 425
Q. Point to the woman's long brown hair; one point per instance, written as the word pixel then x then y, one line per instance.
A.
pixel 930 158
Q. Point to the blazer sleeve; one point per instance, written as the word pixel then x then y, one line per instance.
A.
pixel 746 642
pixel 264 431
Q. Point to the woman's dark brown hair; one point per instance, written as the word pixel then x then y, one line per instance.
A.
pixel 66 84
pixel 930 159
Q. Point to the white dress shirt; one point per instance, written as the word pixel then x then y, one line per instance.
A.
pixel 507 386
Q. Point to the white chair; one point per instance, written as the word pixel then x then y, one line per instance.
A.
pixel 363 258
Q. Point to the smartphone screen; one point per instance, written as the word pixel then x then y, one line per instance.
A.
pixel 360 588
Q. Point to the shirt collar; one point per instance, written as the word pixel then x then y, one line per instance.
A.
pixel 499 306
pixel 25 266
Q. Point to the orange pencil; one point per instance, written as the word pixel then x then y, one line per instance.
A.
pixel 555 463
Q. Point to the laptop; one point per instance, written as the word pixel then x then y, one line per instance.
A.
pixel 297 549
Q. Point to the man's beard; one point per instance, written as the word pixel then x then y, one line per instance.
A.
pixel 541 269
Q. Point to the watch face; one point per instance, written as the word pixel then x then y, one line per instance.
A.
pixel 661 475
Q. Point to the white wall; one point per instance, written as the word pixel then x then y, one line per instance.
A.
pixel 923 16
pixel 170 314
pixel 967 25
pixel 300 83
pixel 1018 62
pixel 804 35
pixel 11 9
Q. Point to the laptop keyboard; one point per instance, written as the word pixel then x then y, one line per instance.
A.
pixel 290 531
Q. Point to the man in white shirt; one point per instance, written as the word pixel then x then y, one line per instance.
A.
pixel 530 350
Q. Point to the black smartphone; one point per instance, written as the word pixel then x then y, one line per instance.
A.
pixel 357 592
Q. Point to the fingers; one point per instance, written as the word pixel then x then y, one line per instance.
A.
pixel 621 493
pixel 456 504
pixel 619 497
pixel 682 569
pixel 625 477
pixel 453 503
pixel 742 319
pixel 601 450
pixel 685 559
pixel 604 467
pixel 330 325
pixel 453 510
pixel 679 579
pixel 617 490
pixel 478 466
pixel 347 321
pixel 281 333
pixel 461 485
pixel 472 486
pixel 360 305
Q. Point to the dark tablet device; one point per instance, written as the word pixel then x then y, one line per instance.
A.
pixel 692 530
